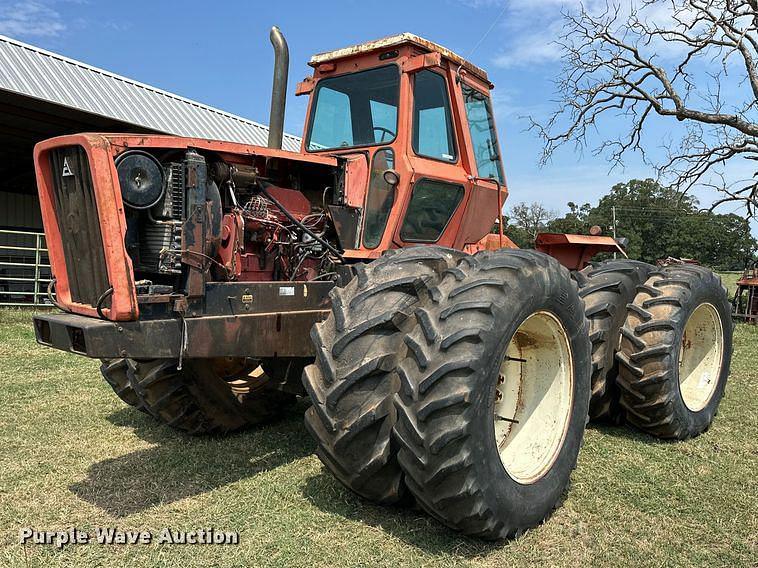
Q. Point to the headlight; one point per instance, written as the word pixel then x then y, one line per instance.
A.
pixel 141 178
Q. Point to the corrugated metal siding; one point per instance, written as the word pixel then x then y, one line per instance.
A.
pixel 41 74
pixel 19 210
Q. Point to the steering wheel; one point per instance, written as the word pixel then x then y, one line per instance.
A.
pixel 384 131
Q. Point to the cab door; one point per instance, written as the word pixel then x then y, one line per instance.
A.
pixel 439 181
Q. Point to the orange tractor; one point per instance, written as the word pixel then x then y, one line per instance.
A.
pixel 218 281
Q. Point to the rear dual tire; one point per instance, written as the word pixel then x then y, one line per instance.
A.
pixel 675 353
pixel 606 288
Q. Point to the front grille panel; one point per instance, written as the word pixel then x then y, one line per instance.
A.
pixel 79 224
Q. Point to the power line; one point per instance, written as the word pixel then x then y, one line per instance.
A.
pixel 492 27
pixel 648 208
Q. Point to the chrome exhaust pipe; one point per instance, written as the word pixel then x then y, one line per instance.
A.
pixel 279 88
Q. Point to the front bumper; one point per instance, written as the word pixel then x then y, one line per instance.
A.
pixel 277 334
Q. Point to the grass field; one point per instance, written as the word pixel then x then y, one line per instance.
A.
pixel 73 455
pixel 730 281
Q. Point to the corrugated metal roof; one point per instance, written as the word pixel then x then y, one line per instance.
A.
pixel 44 75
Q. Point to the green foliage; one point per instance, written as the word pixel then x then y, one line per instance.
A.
pixel 660 222
pixel 645 214
pixel 524 221
pixel 721 241
pixel 576 220
pixel 522 237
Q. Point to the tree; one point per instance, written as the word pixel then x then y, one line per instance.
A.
pixel 660 222
pixel 522 238
pixel 706 78
pixel 531 218
pixel 576 221
pixel 645 213
pixel 720 241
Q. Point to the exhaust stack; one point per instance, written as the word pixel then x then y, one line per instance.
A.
pixel 279 88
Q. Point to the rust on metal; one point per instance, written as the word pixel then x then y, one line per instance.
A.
pixel 275 334
pixel 423 61
pixel 745 302
pixel 110 209
pixel 394 41
pixel 575 251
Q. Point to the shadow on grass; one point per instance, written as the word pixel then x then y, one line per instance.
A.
pixel 627 432
pixel 179 465
pixel 410 524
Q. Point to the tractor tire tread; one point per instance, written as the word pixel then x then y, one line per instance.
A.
pixel 648 370
pixel 440 378
pixel 353 379
pixel 606 288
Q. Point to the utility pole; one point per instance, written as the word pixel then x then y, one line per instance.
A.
pixel 613 209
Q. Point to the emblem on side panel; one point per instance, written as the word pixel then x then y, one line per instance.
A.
pixel 66 169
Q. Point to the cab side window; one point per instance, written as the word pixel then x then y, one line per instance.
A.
pixel 432 205
pixel 483 135
pixel 432 125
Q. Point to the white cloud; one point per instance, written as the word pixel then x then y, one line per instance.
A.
pixel 508 103
pixel 530 49
pixel 30 18
pixel 530 28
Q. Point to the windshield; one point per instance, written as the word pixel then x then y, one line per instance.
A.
pixel 359 109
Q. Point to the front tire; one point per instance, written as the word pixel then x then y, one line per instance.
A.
pixel 115 373
pixel 353 380
pixel 495 392
pixel 676 349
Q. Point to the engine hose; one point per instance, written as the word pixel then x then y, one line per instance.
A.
pixel 298 223
pixel 50 292
pixel 100 300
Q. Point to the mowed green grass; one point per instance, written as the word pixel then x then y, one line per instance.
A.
pixel 71 454
pixel 730 281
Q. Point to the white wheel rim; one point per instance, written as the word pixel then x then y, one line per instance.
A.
pixel 534 398
pixel 700 356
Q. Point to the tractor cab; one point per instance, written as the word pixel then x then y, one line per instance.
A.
pixel 415 122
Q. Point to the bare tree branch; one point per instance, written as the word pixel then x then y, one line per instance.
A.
pixel 532 218
pixel 693 60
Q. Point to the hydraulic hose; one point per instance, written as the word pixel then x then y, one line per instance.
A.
pixel 262 188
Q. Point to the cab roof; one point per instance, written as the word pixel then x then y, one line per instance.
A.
pixel 397 40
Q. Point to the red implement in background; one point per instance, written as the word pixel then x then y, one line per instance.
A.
pixel 575 251
pixel 745 303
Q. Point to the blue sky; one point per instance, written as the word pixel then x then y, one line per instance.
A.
pixel 219 54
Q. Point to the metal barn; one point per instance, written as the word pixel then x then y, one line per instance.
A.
pixel 44 94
